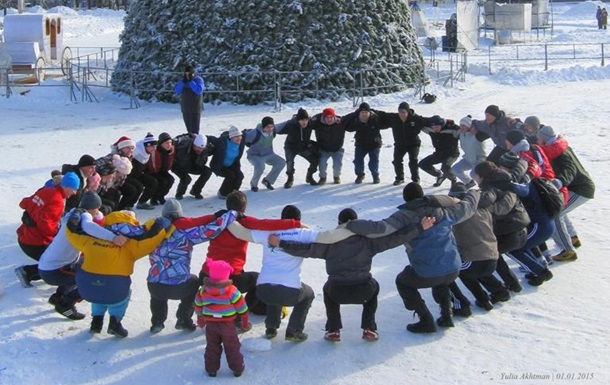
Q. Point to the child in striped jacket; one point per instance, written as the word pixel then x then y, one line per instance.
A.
pixel 217 304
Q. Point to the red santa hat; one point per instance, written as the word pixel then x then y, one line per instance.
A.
pixel 124 141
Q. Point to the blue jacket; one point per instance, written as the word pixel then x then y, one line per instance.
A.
pixel 434 252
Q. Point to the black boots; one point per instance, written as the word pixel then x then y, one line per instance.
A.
pixel 426 322
pixel 309 178
pixel 289 181
pixel 537 280
pixel 446 318
pixel 97 323
pixel 116 329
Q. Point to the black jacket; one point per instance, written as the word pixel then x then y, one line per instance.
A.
pixel 297 138
pixel 348 262
pixel 219 146
pixel 74 200
pixel 406 134
pixel 367 135
pixel 446 141
pixel 330 138
pixel 185 158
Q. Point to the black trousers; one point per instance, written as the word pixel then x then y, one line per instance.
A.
pixel 399 153
pixel 308 153
pixel 64 279
pixel 130 192
pixel 165 181
pixel 495 154
pixel 192 121
pixel 34 252
pixel 508 243
pixel 364 293
pixel 185 180
pixel 150 185
pixel 470 277
pixel 184 292
pixel 445 159
pixel 408 281
pixel 110 200
pixel 232 179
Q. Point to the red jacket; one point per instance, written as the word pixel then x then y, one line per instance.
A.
pixel 45 208
pixel 539 165
pixel 227 248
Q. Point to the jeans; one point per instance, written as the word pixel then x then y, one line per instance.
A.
pixel 373 161
pixel 337 158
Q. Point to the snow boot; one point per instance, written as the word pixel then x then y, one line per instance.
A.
pixel 309 178
pixel 446 318
pixel 426 321
pixel 97 323
pixel 289 181
pixel 116 329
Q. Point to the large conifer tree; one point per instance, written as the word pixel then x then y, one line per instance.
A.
pixel 324 44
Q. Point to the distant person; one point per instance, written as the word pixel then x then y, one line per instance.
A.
pixel 190 157
pixel 190 89
pixel 474 153
pixel 444 135
pixel 226 160
pixel 598 17
pixel 604 18
pixel 330 135
pixel 260 153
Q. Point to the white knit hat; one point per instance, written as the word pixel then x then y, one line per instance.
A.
pixel 200 141
pixel 122 164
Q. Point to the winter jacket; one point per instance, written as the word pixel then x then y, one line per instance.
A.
pixel 297 139
pixel 219 301
pixel 532 202
pixel 161 161
pixel 258 143
pixel 220 152
pixel 228 248
pixel 348 262
pixel 61 252
pixel 508 212
pixel 191 95
pixel 170 262
pixel 497 130
pixel 119 178
pixel 139 160
pixel 406 134
pixel 104 276
pixel 367 134
pixel 331 137
pixel 445 142
pixel 185 158
pixel 568 168
pixel 472 148
pixel 475 237
pixel 434 252
pixel 45 209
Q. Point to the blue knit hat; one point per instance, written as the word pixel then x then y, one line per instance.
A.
pixel 70 180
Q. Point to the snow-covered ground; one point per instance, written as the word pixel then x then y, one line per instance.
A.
pixel 556 332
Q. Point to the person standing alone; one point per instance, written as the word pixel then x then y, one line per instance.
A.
pixel 190 89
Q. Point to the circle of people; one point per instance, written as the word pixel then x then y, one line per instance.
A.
pixel 81 229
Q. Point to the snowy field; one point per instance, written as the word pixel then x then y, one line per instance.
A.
pixel 553 333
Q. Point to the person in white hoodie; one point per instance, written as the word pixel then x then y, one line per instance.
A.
pixel 56 263
pixel 474 151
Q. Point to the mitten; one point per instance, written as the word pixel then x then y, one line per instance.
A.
pixel 164 222
pixel 200 321
pixel 220 213
pixel 558 183
pixel 245 324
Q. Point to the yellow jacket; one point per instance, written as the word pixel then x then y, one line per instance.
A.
pixel 103 257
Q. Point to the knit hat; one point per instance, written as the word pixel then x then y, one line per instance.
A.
pixel 347 215
pixel 466 121
pixel 404 106
pixel 106 169
pixel 149 140
pixel 234 131
pixel 545 133
pixel 172 209
pixel 329 112
pixel 70 180
pixel 412 191
pixel 200 141
pixel 90 201
pixel 122 164
pixel 189 68
pixel 437 121
pixel 532 121
pixel 302 114
pixel 124 141
pixel 493 110
pixel 164 137
pixel 267 120
pixel 458 189
pixel 218 270
pixel 508 160
pixel 86 160
pixel 515 136
pixel 364 107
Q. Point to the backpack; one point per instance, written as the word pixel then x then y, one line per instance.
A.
pixel 429 98
pixel 551 197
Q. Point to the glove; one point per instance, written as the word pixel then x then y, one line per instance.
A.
pixel 200 321
pixel 164 222
pixel 220 213
pixel 558 183
pixel 245 325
